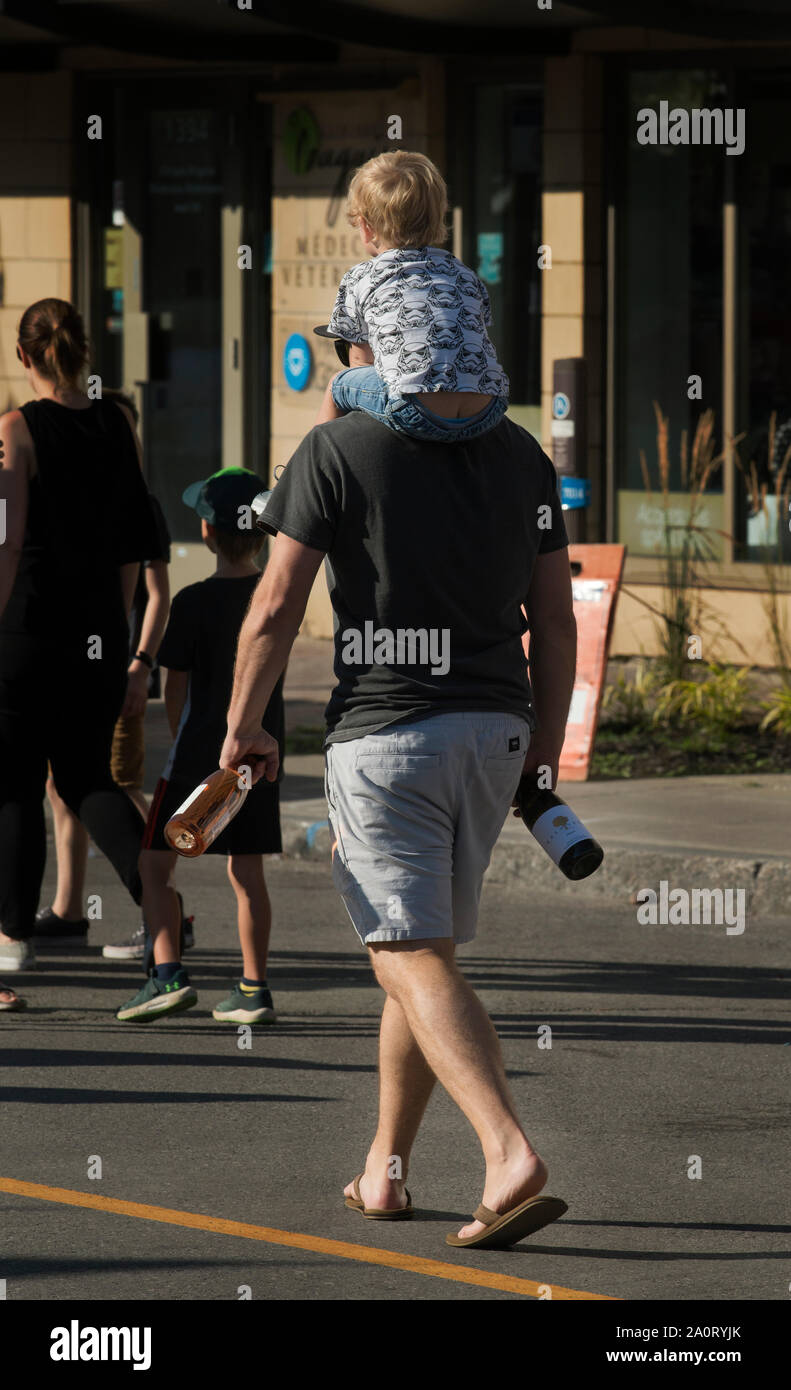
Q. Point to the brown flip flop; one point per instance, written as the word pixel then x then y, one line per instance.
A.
pixel 356 1203
pixel 513 1225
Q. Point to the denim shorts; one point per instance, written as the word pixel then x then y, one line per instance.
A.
pixel 415 811
pixel 362 388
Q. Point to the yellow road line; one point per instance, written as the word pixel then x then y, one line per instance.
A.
pixel 413 1264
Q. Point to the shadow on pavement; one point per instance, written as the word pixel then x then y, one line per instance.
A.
pixel 74 1095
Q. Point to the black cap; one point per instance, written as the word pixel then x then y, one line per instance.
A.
pixel 218 498
pixel 341 344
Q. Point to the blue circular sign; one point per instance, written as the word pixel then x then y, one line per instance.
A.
pixel 297 362
pixel 561 405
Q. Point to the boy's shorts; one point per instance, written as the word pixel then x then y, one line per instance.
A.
pixel 415 811
pixel 128 752
pixel 362 388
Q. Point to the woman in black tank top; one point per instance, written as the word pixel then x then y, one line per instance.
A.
pixel 77 521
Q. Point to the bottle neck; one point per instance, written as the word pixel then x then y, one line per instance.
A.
pixel 535 800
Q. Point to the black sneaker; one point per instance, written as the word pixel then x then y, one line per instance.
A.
pixel 50 927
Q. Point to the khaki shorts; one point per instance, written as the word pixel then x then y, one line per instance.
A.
pixel 128 752
pixel 415 811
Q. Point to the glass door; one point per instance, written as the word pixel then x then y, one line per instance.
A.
pixel 498 185
pixel 180 180
pixel 764 341
pixel 182 278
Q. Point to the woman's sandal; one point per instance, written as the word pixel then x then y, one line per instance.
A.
pixel 356 1203
pixel 513 1225
pixel 14 1002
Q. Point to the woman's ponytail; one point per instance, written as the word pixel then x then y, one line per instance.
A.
pixel 52 334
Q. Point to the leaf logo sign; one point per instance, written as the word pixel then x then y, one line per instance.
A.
pixel 301 140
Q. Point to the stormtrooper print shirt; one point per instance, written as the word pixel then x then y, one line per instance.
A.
pixel 425 315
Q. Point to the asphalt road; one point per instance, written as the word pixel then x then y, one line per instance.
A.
pixel 667 1043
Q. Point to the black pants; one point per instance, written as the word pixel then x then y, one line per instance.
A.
pixel 61 709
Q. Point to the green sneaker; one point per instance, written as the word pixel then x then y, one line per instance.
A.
pixel 157 998
pixel 239 1007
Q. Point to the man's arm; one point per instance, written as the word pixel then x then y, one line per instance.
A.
pixel 267 635
pixel 553 657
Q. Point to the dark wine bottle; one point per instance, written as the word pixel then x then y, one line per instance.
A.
pixel 558 831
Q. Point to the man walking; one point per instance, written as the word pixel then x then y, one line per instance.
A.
pixel 431 551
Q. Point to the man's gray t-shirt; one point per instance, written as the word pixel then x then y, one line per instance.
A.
pixel 430 553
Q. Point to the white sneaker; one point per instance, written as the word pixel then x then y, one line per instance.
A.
pixel 16 955
pixel 133 949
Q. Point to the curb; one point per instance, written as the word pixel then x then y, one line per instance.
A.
pixel 519 863
pixel 625 872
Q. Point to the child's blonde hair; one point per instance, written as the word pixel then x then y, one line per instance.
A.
pixel 402 196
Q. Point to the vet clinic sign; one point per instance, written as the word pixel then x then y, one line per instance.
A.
pixel 297 362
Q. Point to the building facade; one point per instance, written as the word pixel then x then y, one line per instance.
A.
pixel 179 171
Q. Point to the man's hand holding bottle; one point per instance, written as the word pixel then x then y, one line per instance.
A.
pixel 257 749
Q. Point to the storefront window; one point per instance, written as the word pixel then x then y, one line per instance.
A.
pixel 669 271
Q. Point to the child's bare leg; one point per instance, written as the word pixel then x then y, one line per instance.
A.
pixel 137 797
pixel 160 903
pixel 453 405
pixel 329 410
pixel 254 911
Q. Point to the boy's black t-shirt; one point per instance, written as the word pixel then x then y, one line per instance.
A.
pixel 422 536
pixel 201 638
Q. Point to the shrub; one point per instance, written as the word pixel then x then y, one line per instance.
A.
pixel 778 716
pixel 718 700
pixel 631 701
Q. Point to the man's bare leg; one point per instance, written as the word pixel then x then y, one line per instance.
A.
pixel 405 1085
pixel 455 1035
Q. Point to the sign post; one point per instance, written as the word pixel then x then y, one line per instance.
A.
pixel 569 442
pixel 596 574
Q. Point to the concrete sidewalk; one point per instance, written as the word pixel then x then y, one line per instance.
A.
pixel 727 831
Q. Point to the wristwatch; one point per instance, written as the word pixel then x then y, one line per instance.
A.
pixel 145 658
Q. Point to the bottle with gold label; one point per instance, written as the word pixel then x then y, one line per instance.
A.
pixel 207 811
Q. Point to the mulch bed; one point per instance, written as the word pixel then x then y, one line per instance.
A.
pixel 631 751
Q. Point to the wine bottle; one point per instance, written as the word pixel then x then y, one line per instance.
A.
pixel 206 812
pixel 558 830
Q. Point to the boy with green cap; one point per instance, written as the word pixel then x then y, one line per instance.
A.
pixel 198 652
